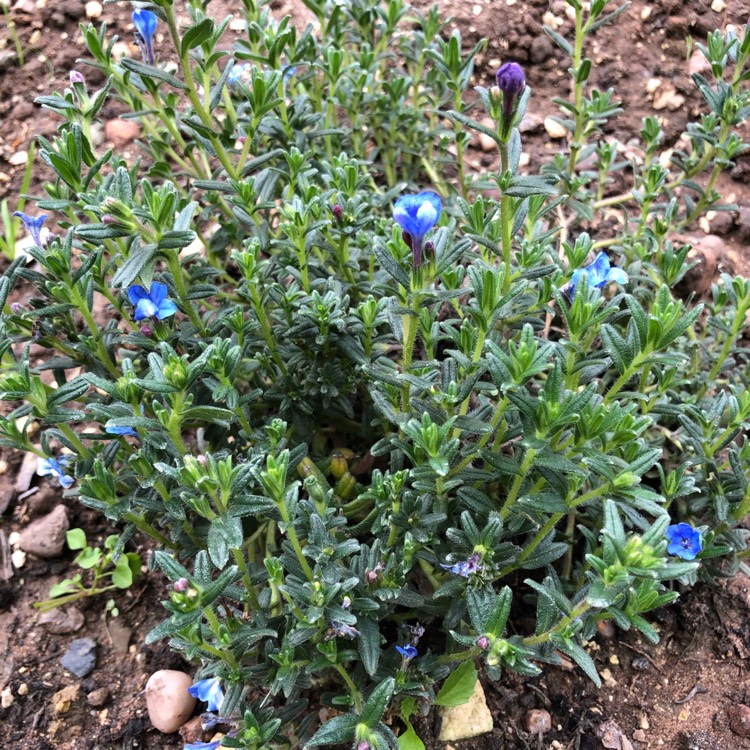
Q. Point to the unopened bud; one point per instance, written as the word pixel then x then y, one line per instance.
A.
pixel 181 585
pixel 76 77
pixel 201 459
pixel 145 330
pixel 483 642
pixel 16 307
pixel 408 240
pixel 338 212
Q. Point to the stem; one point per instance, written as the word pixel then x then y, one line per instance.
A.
pixel 506 222
pixel 353 689
pixel 410 324
pixel 536 640
pixel 175 268
pixel 515 488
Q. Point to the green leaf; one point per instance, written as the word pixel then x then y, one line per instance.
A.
pixel 410 740
pixel 64 587
pixel 88 557
pixel 149 71
pixel 196 35
pixel 122 576
pixel 338 730
pixel 76 539
pixel 459 686
pixel 377 703
pixel 369 644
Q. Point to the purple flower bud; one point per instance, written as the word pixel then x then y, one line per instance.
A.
pixel 181 585
pixel 338 212
pixel 145 330
pixel 346 603
pixel 364 745
pixel 16 307
pixel 201 459
pixel 483 642
pixel 407 239
pixel 76 77
pixel 108 219
pixel 511 81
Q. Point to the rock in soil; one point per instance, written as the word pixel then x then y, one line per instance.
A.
pixel 62 620
pixel 120 635
pixel 98 698
pixel 46 537
pixel 467 720
pixel 121 132
pixel 538 721
pixel 80 658
pixel 63 700
pixel 739 719
pixel 167 699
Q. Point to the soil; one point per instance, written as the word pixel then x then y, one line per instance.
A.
pixel 686 693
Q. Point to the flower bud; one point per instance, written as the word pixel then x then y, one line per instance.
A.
pixel 338 212
pixel 145 330
pixel 483 642
pixel 511 79
pixel 181 585
pixel 16 307
pixel 76 77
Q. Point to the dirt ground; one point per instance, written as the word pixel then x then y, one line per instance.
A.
pixel 689 692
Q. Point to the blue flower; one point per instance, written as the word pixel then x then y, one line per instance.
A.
pixel 599 273
pixel 684 541
pixel 33 225
pixel 416 215
pixel 152 303
pixel 145 26
pixel 236 73
pixel 408 651
pixel 113 430
pixel 464 568
pixel 56 467
pixel 203 745
pixel 209 691
pixel 338 629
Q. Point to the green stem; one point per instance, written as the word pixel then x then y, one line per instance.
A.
pixel 353 689
pixel 536 640
pixel 175 268
pixel 515 488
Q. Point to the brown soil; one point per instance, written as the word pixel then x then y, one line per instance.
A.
pixel 674 695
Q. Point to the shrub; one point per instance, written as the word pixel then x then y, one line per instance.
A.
pixel 366 425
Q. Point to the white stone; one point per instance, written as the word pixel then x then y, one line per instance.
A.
pixel 6 698
pixel 93 9
pixel 168 702
pixel 19 158
pixel 467 720
pixel 717 6
pixel 554 129
pixel 18 558
pixel 646 13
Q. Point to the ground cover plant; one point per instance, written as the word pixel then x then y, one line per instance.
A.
pixel 369 405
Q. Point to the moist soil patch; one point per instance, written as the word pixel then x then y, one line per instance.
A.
pixel 689 692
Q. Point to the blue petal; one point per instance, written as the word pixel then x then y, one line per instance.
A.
pixel 202 745
pixel 114 430
pixel 617 275
pixel 417 214
pixel 598 270
pixel 66 481
pixel 209 691
pixel 44 466
pixel 158 292
pixel 145 22
pixel 145 309
pixel 136 293
pixel 33 225
pixel 167 308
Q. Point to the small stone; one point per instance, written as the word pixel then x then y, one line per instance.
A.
pixel 80 658
pixel 646 13
pixel 743 220
pixel 46 537
pixel 554 129
pixel 486 143
pixel 26 472
pixel 613 659
pixel 41 501
pixel 718 6
pixel 639 735
pixel 168 702
pixel 538 721
pixel 63 700
pixel 18 558
pixel 93 9
pixel 121 132
pixel 23 689
pixel 467 720
pixel 238 24
pixel 120 635
pixel 192 731
pixel 652 85
pixel 62 620
pixel 6 698
pixel 97 698
pixel 669 99
pixel 18 159
pixel 721 222
pixel 739 719
pixel 698 63
pixel 7 60
pixel 530 123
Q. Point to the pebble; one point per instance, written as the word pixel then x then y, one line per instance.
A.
pixel 18 558
pixel 538 721
pixel 63 700
pixel 93 9
pixel 698 63
pixel 80 658
pixel 62 620
pixel 121 131
pixel 718 6
pixel 639 735
pixel 668 98
pixel 6 698
pixel 743 220
pixel 168 702
pixel 554 129
pixel 120 635
pixel 97 698
pixel 739 719
pixel 46 537
pixel 467 720
pixel 23 689
pixel 486 143
pixel 19 158
pixel 26 472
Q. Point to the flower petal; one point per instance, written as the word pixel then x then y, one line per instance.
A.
pixel 617 275
pixel 145 309
pixel 598 270
pixel 158 292
pixel 167 308
pixel 136 293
